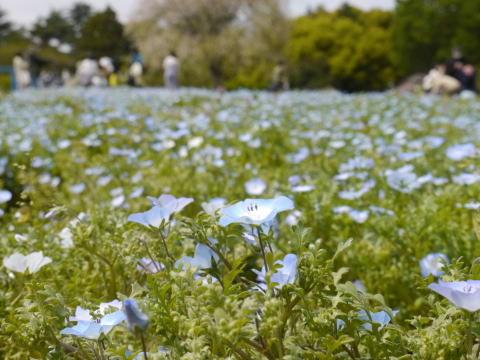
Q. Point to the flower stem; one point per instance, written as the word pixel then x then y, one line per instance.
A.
pixel 147 249
pixel 144 346
pixel 100 347
pixel 165 245
pixel 470 334
pixel 262 248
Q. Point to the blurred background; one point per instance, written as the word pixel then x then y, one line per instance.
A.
pixel 229 44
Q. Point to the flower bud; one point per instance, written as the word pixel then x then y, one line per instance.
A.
pixel 135 318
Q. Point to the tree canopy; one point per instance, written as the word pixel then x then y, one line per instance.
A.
pixel 103 35
pixel 5 25
pixel 220 41
pixel 425 31
pixel 349 49
pixel 54 26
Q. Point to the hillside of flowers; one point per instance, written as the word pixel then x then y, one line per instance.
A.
pixel 146 224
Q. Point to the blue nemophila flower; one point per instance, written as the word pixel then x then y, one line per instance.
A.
pixel 433 264
pixel 149 265
pixel 90 328
pixel 409 156
pixel 461 151
pixel 360 286
pixel 77 188
pixel 202 258
pixel 31 262
pixel 170 202
pixel 162 209
pixel 303 188
pixel 153 217
pixel 135 318
pixel 255 211
pixel 379 210
pixel 293 218
pixel 403 179
pixel 255 186
pixel 357 163
pixel 213 205
pixel 359 216
pixel 472 205
pixel 464 294
pixel 141 355
pixel 352 194
pixel 380 317
pixel 5 196
pixel 466 178
pixel 285 274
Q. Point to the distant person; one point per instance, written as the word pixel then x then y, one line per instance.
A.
pixel 20 69
pixel 87 70
pixel 468 82
pixel 170 70
pixel 439 83
pixel 36 65
pixel 135 70
pixel 107 69
pixel 279 77
pixel 455 63
pixel 66 77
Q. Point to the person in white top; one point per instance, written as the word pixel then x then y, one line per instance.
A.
pixel 438 82
pixel 87 69
pixel 170 70
pixel 20 69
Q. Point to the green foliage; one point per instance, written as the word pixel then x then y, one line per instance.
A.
pixel 103 35
pixel 79 14
pixel 425 32
pixel 5 25
pixel 220 43
pixel 54 26
pixel 122 140
pixel 469 25
pixel 348 49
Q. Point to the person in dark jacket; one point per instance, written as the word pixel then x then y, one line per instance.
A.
pixel 36 65
pixel 469 77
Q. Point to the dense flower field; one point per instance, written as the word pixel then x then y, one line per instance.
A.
pixel 245 225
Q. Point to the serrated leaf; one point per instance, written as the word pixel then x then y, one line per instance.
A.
pixel 341 247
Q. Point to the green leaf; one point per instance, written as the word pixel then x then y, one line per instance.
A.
pixel 341 247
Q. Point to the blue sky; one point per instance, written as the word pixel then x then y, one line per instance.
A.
pixel 26 11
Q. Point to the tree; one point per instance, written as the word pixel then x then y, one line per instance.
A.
pixel 425 31
pixel 349 49
pixel 5 25
pixel 467 34
pixel 103 35
pixel 79 14
pixel 54 26
pixel 215 38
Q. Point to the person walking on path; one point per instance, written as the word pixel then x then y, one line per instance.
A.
pixel 36 64
pixel 135 70
pixel 279 78
pixel 20 69
pixel 170 68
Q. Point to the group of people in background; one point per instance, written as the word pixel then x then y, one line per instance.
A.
pixel 30 70
pixel 456 76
